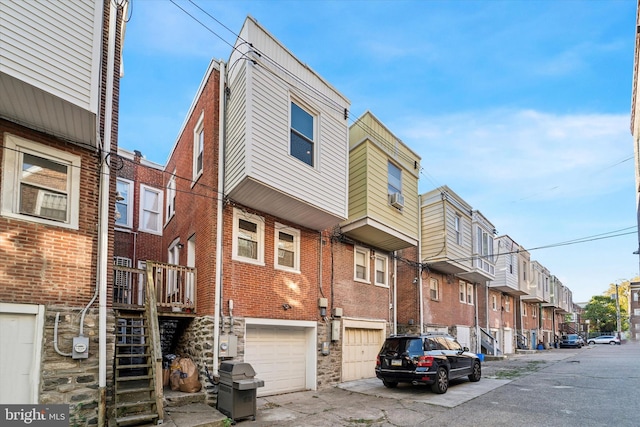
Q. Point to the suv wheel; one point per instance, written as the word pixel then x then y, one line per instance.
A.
pixel 442 381
pixel 612 343
pixel 390 384
pixel 476 373
pixel 592 342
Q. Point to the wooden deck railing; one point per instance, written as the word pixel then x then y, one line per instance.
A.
pixel 174 287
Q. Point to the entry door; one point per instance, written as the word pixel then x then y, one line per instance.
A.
pixel 20 337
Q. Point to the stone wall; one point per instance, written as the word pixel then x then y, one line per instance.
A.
pixel 196 343
pixel 73 381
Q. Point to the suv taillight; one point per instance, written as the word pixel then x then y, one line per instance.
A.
pixel 424 361
pixel 378 360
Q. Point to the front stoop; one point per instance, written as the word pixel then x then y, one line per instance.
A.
pixel 194 415
pixel 190 410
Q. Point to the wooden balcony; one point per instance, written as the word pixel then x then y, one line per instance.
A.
pixel 174 285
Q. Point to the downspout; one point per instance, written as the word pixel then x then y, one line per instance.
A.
pixel 420 290
pixel 103 218
pixel 395 293
pixel 219 220
pixel 476 319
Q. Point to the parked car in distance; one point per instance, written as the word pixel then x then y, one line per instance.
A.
pixel 582 341
pixel 605 339
pixel 570 340
pixel 430 359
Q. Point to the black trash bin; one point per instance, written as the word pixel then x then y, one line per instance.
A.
pixel 237 390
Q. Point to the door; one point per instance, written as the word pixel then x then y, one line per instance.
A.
pixel 20 350
pixel 508 341
pixel 359 352
pixel 278 356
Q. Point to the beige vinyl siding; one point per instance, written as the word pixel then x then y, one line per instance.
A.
pixel 358 195
pixel 54 34
pixel 433 231
pixel 460 253
pixel 236 128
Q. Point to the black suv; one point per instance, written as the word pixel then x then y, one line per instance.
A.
pixel 431 359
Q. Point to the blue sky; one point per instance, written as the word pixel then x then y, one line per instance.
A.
pixel 520 107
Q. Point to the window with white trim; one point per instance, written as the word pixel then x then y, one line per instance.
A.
pixel 457 221
pixel 361 265
pixel 303 134
pixel 524 309
pixel 434 289
pixel 171 196
pixel 381 270
pixel 287 248
pixel 248 237
pixel 124 207
pixel 462 286
pixel 470 293
pixel 494 303
pixel 198 147
pixel 507 304
pixel 534 311
pixel 485 244
pixel 394 179
pixel 150 209
pixel 40 183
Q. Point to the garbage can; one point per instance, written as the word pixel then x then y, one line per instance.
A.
pixel 237 390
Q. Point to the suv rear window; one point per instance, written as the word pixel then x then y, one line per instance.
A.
pixel 400 345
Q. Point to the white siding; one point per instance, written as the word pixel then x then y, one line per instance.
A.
pixel 258 138
pixel 53 35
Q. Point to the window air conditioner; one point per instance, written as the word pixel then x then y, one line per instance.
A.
pixel 397 200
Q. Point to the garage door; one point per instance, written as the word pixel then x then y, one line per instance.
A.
pixel 359 352
pixel 278 355
pixel 20 337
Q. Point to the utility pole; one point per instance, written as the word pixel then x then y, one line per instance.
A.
pixel 618 311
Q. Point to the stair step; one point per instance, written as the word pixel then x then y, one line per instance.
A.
pixel 136 419
pixel 147 402
pixel 146 365
pixel 121 391
pixel 135 378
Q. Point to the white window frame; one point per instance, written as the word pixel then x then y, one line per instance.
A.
pixel 314 142
pixel 457 225
pixel 385 272
pixel 259 222
pixel 128 200
pixel 198 148
pixel 524 309
pixel 12 168
pixel 171 197
pixel 434 288
pixel 507 303
pixel 366 259
pixel 142 208
pixel 470 293
pixel 392 186
pixel 462 291
pixel 296 248
pixel 494 303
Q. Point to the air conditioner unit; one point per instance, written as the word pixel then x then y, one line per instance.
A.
pixel 397 200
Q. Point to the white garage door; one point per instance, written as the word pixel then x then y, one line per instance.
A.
pixel 359 352
pixel 278 355
pixel 20 337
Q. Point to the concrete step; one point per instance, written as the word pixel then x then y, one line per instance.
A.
pixel 174 398
pixel 194 415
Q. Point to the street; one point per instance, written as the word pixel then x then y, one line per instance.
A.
pixel 592 386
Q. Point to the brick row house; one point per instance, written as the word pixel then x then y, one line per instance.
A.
pixel 276 233
pixel 59 90
pixel 311 242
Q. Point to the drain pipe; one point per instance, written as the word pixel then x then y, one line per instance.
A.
pixel 219 213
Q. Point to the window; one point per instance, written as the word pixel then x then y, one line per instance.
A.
pixel 463 291
pixel 524 270
pixel 150 209
pixel 302 134
pixel 457 221
pixel 124 210
pixel 524 309
pixel 507 304
pixel 198 147
pixel 381 270
pixel 394 178
pixel 40 183
pixel 511 263
pixel 485 244
pixel 470 293
pixel 534 312
pixel 287 248
pixel 434 289
pixel 635 296
pixel 248 237
pixel 171 196
pixel 494 303
pixel 361 270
